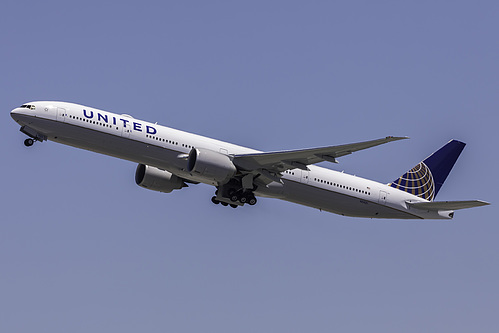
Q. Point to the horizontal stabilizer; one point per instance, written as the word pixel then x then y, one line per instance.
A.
pixel 447 205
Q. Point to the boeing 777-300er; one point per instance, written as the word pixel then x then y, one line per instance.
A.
pixel 169 159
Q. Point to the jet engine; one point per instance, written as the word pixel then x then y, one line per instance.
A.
pixel 156 179
pixel 210 165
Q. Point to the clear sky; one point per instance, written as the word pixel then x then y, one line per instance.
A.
pixel 83 249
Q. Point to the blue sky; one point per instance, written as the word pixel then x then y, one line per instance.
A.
pixel 82 248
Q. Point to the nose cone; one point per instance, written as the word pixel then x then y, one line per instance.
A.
pixel 23 113
pixel 16 113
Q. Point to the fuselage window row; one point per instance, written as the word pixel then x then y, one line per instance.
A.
pixel 147 135
pixel 341 186
pixel 162 140
pixel 91 121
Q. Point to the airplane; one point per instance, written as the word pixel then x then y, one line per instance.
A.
pixel 169 159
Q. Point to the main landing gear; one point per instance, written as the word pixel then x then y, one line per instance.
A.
pixel 234 198
pixel 243 197
pixel 223 203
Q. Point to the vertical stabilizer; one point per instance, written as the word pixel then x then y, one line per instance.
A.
pixel 426 178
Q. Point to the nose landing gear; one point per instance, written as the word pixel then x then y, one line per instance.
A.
pixel 29 142
pixel 33 135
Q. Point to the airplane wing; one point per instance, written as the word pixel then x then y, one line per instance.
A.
pixel 448 205
pixel 279 161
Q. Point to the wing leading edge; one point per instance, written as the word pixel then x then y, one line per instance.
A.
pixel 280 161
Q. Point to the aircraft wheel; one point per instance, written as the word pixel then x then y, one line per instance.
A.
pixel 29 142
pixel 243 199
pixel 233 206
pixel 252 201
pixel 224 203
pixel 215 201
pixel 234 197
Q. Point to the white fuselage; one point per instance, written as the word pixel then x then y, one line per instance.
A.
pixel 151 144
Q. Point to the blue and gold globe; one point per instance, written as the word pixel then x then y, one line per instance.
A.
pixel 417 181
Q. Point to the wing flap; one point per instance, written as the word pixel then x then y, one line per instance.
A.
pixel 447 205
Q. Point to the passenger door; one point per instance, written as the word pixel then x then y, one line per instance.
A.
pixel 61 114
pixel 304 176
pixel 382 197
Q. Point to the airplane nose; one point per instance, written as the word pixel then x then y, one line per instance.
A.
pixel 14 112
pixel 17 113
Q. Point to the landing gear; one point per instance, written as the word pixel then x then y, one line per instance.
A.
pixel 248 197
pixel 29 142
pixel 33 135
pixel 252 201
pixel 234 197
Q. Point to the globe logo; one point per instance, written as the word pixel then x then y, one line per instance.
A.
pixel 417 181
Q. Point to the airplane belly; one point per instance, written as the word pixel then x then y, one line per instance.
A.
pixel 108 144
pixel 339 203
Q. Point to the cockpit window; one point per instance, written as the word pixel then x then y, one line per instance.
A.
pixel 28 106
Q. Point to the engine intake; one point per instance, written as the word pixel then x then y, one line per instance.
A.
pixel 156 179
pixel 210 165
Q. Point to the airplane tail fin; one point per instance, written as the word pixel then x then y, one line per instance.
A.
pixel 426 178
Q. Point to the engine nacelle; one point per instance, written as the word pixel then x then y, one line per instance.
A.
pixel 156 179
pixel 210 165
